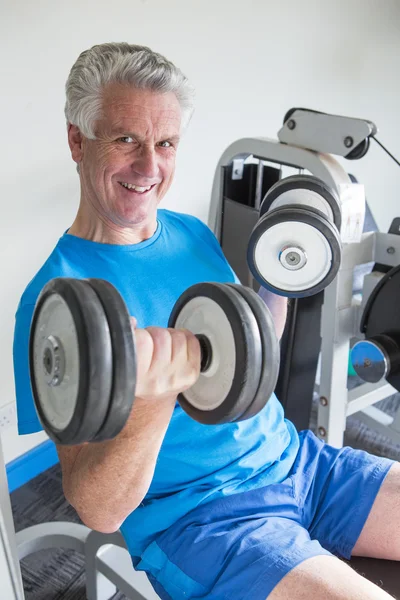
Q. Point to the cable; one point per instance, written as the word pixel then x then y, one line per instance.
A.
pixel 386 150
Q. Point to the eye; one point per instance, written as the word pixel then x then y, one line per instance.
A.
pixel 165 144
pixel 126 139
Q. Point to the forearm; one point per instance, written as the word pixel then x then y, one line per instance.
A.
pixel 278 308
pixel 108 480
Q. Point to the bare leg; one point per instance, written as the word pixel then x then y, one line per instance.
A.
pixel 380 537
pixel 327 578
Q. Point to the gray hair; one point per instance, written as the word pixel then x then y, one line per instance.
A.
pixel 122 63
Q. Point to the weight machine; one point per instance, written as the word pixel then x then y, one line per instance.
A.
pixel 328 320
pixel 320 327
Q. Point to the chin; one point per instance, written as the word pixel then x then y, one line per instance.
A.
pixel 137 212
pixel 137 217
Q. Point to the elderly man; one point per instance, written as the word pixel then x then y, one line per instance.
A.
pixel 244 510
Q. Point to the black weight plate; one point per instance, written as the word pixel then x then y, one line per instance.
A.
pixel 381 314
pixel 381 311
pixel 124 360
pixel 310 216
pixel 243 329
pixel 94 361
pixel 270 350
pixel 306 182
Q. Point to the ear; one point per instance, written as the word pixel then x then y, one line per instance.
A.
pixel 75 141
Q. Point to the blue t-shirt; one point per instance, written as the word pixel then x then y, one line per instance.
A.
pixel 197 463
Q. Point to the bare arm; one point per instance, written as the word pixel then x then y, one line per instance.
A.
pixel 278 307
pixel 106 481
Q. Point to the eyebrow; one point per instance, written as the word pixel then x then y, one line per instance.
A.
pixel 123 132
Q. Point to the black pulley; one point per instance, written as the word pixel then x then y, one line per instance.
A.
pixel 360 150
pixel 377 356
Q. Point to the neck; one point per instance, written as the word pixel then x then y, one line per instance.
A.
pixel 91 226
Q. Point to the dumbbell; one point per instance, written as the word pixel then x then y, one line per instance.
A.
pixel 294 249
pixel 82 357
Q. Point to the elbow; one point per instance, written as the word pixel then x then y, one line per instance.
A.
pixel 101 525
pixel 101 518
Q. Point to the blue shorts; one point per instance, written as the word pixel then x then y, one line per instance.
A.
pixel 242 545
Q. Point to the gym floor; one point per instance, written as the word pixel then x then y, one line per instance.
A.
pixel 52 575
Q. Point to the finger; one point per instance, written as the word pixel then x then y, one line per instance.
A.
pixel 193 351
pixel 179 339
pixel 162 341
pixel 144 350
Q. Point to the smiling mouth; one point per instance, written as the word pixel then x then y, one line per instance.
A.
pixel 137 189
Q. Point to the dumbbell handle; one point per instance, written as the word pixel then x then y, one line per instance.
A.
pixel 53 358
pixel 206 351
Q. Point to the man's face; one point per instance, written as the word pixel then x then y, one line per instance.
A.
pixel 129 167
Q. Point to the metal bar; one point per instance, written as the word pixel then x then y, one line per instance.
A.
pixel 367 394
pixel 380 422
pixel 335 344
pixel 396 420
pixel 58 534
pixel 10 573
pixel 360 253
pixel 258 193
pixel 324 132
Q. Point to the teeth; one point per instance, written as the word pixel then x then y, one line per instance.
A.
pixel 137 188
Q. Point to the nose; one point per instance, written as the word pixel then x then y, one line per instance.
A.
pixel 146 163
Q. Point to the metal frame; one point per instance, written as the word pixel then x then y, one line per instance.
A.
pixel 10 573
pixel 320 165
pixel 108 564
pixel 340 315
pixel 324 132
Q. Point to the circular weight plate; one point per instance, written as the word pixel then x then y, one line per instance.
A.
pixel 370 360
pixel 294 227
pixel 124 360
pixel 382 315
pixel 270 350
pixel 69 311
pixel 225 390
pixel 306 191
pixel 381 312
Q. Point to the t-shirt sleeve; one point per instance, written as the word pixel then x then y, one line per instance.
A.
pixel 27 418
pixel 210 238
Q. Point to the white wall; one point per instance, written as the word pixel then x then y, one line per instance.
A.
pixel 250 62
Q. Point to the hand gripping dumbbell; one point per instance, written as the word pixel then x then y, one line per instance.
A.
pixel 295 249
pixel 82 357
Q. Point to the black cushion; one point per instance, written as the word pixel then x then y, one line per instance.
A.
pixel 384 573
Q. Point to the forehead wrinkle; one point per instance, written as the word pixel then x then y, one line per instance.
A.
pixel 142 121
pixel 142 129
pixel 140 111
